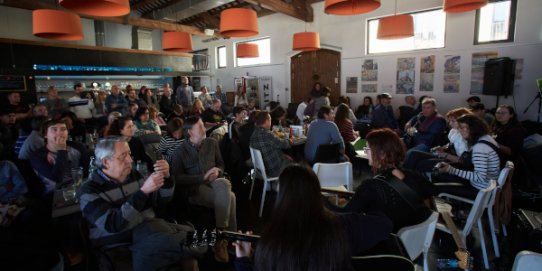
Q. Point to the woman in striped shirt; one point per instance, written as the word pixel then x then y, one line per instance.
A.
pixel 346 128
pixel 484 160
pixel 172 139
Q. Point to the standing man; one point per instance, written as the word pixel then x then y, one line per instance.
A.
pixel 82 107
pixel 115 102
pixel 117 202
pixel 166 102
pixel 185 94
pixel 198 167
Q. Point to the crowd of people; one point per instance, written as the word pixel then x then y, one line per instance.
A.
pixel 193 150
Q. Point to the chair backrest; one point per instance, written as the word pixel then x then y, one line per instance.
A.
pixel 504 175
pixel 332 175
pixel 478 207
pixel 527 261
pixel 328 153
pixel 418 238
pixel 257 161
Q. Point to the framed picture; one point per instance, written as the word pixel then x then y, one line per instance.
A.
pixel 12 83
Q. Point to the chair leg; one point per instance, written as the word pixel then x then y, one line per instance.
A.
pixel 493 234
pixel 504 232
pixel 425 266
pixel 253 178
pixel 263 196
pixel 483 244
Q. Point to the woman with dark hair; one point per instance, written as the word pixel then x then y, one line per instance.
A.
pixel 365 110
pixel 278 116
pixel 144 124
pixel 322 100
pixel 76 129
pixel 303 234
pixel 479 166
pixel 178 112
pixel 346 128
pixel 397 192
pixel 172 139
pixel 124 126
pixel 148 98
pixel 316 90
pixel 508 132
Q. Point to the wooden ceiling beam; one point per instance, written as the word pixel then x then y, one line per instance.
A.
pixel 127 20
pixel 304 13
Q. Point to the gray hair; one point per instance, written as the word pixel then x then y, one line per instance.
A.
pixel 429 100
pixel 105 149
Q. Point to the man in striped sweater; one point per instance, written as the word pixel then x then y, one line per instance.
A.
pixel 118 205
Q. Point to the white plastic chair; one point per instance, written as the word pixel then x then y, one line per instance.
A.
pixel 527 261
pixel 417 238
pixel 259 170
pixel 475 214
pixel 336 176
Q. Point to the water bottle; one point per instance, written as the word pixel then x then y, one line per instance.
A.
pixel 447 263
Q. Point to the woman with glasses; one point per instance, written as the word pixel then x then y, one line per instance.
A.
pixel 397 192
pixel 481 165
pixel 508 132
pixel 144 124
pixel 303 234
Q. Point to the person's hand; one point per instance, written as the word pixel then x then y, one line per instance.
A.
pixel 58 144
pixel 162 167
pixel 153 183
pixel 242 248
pixel 211 174
pixel 443 167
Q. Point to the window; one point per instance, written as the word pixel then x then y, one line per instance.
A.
pixel 495 22
pixel 221 57
pixel 264 48
pixel 429 30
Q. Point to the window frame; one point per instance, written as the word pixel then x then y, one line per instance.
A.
pixel 249 41
pixel 368 31
pixel 218 66
pixel 511 25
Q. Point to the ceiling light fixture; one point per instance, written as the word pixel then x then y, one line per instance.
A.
pixel 98 8
pixel 56 25
pixel 177 42
pixel 238 22
pixel 350 7
pixel 456 6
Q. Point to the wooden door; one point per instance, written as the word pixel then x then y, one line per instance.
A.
pixel 307 68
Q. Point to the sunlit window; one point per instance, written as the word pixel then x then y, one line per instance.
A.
pixel 429 32
pixel 495 22
pixel 221 57
pixel 264 48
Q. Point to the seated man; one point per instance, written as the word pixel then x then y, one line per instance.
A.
pixel 383 116
pixel 54 161
pixel 198 166
pixel 34 141
pixel 118 205
pixel 423 128
pixel 269 145
pixel 213 116
pixel 323 131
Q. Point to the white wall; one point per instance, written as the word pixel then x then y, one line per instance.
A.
pixel 347 35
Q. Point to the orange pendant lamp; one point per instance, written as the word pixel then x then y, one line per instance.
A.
pixel 306 41
pixel 350 7
pixel 177 42
pixel 238 22
pixel 56 25
pixel 99 8
pixel 395 27
pixel 457 6
pixel 247 50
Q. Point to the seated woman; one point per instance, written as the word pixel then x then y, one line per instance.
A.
pixel 346 128
pixel 478 168
pixel 278 117
pixel 110 118
pixel 399 193
pixel 302 234
pixel 144 124
pixel 425 161
pixel 172 139
pixel 197 108
pixel 178 112
pixel 154 116
pixel 124 126
pixel 365 110
pixel 508 132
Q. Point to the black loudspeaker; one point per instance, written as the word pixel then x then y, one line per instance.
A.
pixel 499 76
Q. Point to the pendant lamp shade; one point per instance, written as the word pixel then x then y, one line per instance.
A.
pixel 247 50
pixel 56 25
pixel 238 22
pixel 395 27
pixel 306 41
pixel 177 42
pixel 456 6
pixel 99 8
pixel 350 7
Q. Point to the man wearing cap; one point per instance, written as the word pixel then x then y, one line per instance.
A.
pixel 383 114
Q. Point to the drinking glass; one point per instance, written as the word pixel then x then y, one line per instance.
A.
pixel 69 192
pixel 77 176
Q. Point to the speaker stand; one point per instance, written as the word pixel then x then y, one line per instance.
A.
pixel 539 105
